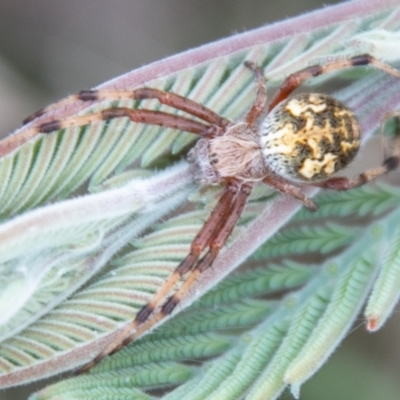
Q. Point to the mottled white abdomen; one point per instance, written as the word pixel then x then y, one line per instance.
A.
pixel 309 137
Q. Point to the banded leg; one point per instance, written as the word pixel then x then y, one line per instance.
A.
pixel 159 118
pixel 221 236
pixel 140 116
pixel 261 97
pixel 218 219
pixel 290 189
pixel 170 99
pixel 295 80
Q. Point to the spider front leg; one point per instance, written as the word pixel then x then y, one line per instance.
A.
pixel 150 117
pixel 168 98
pixel 213 235
pixel 294 80
pixel 258 106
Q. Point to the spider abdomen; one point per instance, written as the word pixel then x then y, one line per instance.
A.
pixel 309 137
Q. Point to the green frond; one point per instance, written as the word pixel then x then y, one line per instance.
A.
pixel 175 346
pixel 322 238
pixel 95 219
pixel 358 265
pixel 98 393
pixel 271 381
pixel 385 292
pixel 257 282
pixel 257 350
pixel 373 199
pixel 235 315
pixel 145 376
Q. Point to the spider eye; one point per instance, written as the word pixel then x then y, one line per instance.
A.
pixel 309 137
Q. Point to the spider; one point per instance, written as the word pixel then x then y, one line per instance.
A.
pixel 304 138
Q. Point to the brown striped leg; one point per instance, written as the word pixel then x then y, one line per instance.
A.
pixel 10 143
pixel 170 99
pixel 288 188
pixel 259 104
pixel 222 234
pixel 294 80
pixel 216 222
pixel 140 116
pixel 343 183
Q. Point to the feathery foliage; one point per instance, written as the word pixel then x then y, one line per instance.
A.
pixel 95 219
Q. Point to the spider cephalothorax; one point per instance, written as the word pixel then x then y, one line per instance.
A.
pixel 237 153
pixel 304 138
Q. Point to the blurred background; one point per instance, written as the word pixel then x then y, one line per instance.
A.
pixel 52 48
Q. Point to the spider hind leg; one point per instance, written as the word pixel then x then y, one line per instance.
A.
pixel 213 236
pixel 294 80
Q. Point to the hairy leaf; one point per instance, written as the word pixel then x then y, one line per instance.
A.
pixel 94 219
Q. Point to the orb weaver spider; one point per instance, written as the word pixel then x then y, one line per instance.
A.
pixel 304 138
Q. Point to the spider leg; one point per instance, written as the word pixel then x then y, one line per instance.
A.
pixel 288 188
pixel 219 224
pixel 389 164
pixel 261 98
pixel 294 80
pixel 167 98
pixel 217 242
pixel 141 116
